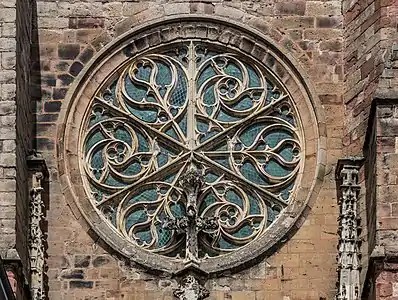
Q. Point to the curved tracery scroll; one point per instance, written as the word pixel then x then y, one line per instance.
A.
pixel 162 115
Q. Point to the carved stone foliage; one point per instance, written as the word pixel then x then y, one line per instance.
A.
pixel 191 289
pixel 349 256
pixel 191 149
pixel 38 173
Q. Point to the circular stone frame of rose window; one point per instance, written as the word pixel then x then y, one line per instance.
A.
pixel 233 36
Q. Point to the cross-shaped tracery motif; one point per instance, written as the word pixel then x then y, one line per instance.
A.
pixel 165 113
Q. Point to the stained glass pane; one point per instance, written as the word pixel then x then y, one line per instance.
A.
pixel 191 108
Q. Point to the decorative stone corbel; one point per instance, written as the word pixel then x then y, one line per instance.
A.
pixel 38 172
pixel 349 265
pixel 191 289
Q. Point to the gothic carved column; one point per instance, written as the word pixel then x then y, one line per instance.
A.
pixel 349 265
pixel 38 173
pixel 190 287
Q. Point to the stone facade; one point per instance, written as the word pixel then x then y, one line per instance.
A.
pixel 16 131
pixel 345 50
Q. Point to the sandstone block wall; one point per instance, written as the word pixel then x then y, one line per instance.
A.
pixel 16 128
pixel 370 39
pixel 7 118
pixel 80 267
pixel 348 51
pixel 370 68
pixel 16 124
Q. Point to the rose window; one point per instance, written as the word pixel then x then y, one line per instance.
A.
pixel 191 151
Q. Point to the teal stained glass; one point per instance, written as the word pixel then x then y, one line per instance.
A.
pixel 234 71
pixel 252 174
pixel 254 79
pixel 144 72
pixel 179 96
pixel 163 76
pixel 206 74
pixel 196 106
pixel 93 139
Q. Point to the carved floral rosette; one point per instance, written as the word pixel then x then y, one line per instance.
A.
pixel 147 115
pixel 230 116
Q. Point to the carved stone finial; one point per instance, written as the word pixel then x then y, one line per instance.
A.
pixel 191 182
pixel 349 266
pixel 191 289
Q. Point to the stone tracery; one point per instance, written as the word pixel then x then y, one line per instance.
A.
pixel 164 110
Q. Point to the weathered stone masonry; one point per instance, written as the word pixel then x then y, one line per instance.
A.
pixel 305 266
pixel 346 50
pixel 16 130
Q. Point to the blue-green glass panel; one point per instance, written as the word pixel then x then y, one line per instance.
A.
pixel 164 156
pixel 254 207
pixel 254 79
pixel 275 169
pixel 162 159
pixel 132 169
pixel 208 97
pixel 163 77
pixel 248 136
pixel 169 178
pixel 97 163
pixel 208 200
pixel 206 74
pixel 243 232
pixel 202 54
pixel 223 244
pixel 274 137
pixel 234 71
pixel 251 174
pixel 284 114
pixel 164 236
pixel 211 177
pixel 144 236
pixel 136 217
pixel 183 124
pixel 109 94
pixel 201 126
pixel 147 115
pixel 243 104
pixel 272 213
pixel 180 55
pixel 271 93
pixel 209 110
pixel 110 180
pixel 224 117
pixel 208 136
pixel 222 161
pixel 178 97
pixel 143 145
pixel 233 197
pixel 223 147
pixel 99 114
pixel 94 138
pixel 287 153
pixel 135 91
pixel 123 135
pixel 178 210
pixel 270 87
pixel 144 73
pixel 285 193
pixel 172 133
pixel 97 193
pixel 148 195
